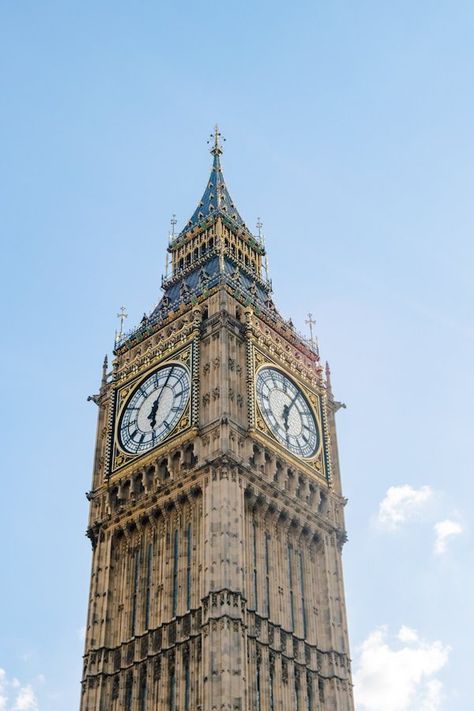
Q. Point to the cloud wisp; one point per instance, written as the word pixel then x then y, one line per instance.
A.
pixel 399 674
pixel 402 504
pixel 14 696
pixel 444 531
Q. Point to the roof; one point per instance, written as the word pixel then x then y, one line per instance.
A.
pixel 216 198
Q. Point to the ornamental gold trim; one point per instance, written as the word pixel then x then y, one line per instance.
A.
pixel 120 458
pixel 319 464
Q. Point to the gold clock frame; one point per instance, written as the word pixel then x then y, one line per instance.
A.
pixel 120 458
pixel 319 464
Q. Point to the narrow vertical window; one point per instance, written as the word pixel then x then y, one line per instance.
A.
pixel 175 574
pixel 267 575
pixel 290 582
pixel 303 603
pixel 172 690
pixel 188 566
pixel 255 582
pixel 149 569
pixel 187 684
pixel 297 692
pixel 142 697
pixel 272 674
pixel 309 687
pixel 321 690
pixel 259 693
pixel 136 574
pixel 128 693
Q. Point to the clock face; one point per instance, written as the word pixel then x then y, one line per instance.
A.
pixel 154 409
pixel 287 413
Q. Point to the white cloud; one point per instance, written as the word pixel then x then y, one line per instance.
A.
pixel 401 504
pixel 444 530
pixel 14 696
pixel 407 634
pixel 400 676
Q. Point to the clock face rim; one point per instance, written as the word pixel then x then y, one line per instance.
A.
pixel 154 442
pixel 274 431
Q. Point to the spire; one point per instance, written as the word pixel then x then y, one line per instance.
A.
pixel 216 198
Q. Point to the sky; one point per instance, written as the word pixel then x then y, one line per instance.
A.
pixel 349 132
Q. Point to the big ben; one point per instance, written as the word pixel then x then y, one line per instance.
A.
pixel 216 509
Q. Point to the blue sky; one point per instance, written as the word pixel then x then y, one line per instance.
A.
pixel 349 131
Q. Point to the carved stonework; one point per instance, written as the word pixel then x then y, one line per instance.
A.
pixel 217 551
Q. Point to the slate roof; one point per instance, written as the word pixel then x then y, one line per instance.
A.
pixel 216 198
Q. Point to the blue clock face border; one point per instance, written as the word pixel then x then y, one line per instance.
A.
pixel 287 412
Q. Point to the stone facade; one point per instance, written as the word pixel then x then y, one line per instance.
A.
pixel 216 575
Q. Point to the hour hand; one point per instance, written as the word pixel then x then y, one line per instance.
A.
pixel 152 415
pixel 286 412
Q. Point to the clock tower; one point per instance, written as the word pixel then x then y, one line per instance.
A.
pixel 216 511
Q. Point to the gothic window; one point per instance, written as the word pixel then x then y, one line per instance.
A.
pixel 303 603
pixel 172 688
pixel 267 574
pixel 149 570
pixel 290 586
pixel 271 690
pixel 187 683
pixel 128 692
pixel 297 690
pixel 188 565
pixel 309 689
pixel 255 581
pixel 321 690
pixel 142 696
pixel 136 574
pixel 259 693
pixel 175 573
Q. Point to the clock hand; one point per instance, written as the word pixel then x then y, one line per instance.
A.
pixel 154 407
pixel 292 403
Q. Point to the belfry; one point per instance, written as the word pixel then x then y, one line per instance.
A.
pixel 216 510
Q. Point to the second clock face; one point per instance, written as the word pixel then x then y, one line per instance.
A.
pixel 154 409
pixel 287 413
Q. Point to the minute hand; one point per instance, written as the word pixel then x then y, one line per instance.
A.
pixel 154 407
pixel 292 402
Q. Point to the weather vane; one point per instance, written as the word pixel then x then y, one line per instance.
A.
pixel 311 322
pixel 216 138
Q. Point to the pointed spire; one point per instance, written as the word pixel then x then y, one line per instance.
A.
pixel 328 378
pixel 216 198
pixel 105 366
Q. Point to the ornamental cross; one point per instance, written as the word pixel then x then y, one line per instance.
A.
pixel 122 315
pixel 216 138
pixel 311 322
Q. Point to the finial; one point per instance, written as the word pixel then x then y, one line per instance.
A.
pixel 328 377
pixel 122 315
pixel 311 322
pixel 105 365
pixel 173 223
pixel 259 228
pixel 216 138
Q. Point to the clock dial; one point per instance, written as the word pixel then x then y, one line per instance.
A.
pixel 154 409
pixel 287 412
